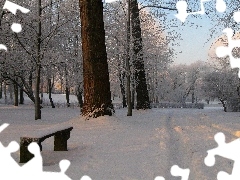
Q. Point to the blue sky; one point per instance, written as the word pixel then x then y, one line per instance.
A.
pixel 195 34
pixel 195 37
pixel 195 41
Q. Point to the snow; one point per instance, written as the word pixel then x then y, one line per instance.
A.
pixel 143 146
pixel 47 131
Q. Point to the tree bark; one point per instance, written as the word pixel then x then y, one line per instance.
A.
pixel 129 103
pixel 138 63
pixel 67 89
pixel 122 87
pixel 97 95
pixel 224 104
pixel 1 89
pixel 133 95
pixel 50 86
pixel 21 97
pixel 16 94
pixel 10 89
pixel 5 92
pixel 67 96
pixel 79 93
pixel 38 65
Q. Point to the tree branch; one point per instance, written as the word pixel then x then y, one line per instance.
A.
pixel 24 46
pixel 159 7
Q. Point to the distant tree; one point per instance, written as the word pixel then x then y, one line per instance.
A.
pixel 222 85
pixel 138 63
pixel 97 94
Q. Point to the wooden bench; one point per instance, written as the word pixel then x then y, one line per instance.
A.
pixel 60 132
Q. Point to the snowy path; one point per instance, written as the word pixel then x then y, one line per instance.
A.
pixel 140 147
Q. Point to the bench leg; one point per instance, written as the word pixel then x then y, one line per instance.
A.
pixel 25 155
pixel 60 141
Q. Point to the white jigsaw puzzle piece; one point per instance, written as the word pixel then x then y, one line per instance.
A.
pixel 8 165
pixel 177 171
pixel 35 165
pixel 226 150
pixel 2 46
pixel 5 125
pixel 223 51
pixel 12 7
pixel 236 16
pixel 85 178
pixel 182 6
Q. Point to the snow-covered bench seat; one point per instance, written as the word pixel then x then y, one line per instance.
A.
pixel 61 133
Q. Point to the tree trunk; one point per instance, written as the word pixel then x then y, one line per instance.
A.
pixel 1 89
pixel 138 63
pixel 38 65
pixel 5 92
pixel 122 88
pixel 10 89
pixel 21 97
pixel 15 94
pixel 193 97
pixel 61 85
pixel 67 89
pixel 79 93
pixel 133 95
pixel 37 91
pixel 41 101
pixel 129 103
pixel 67 96
pixel 224 104
pixel 97 95
pixel 50 92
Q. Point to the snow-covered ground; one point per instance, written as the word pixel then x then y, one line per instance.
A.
pixel 140 147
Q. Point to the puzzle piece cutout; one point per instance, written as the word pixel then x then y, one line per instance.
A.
pixel 33 169
pixel 182 6
pixel 16 27
pixel 3 126
pixel 177 171
pixel 223 51
pixel 12 165
pixel 236 16
pixel 227 150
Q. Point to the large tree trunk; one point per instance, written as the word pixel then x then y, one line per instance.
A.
pixel 138 63
pixel 97 95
